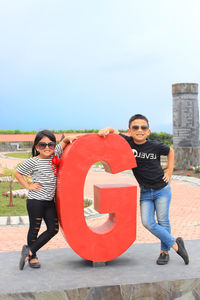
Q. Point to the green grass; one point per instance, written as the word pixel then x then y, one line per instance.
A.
pixel 20 155
pixel 19 208
pixel 7 172
pixel 98 163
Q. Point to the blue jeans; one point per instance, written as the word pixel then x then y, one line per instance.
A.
pixel 157 201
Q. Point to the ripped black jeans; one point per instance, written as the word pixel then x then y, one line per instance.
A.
pixel 38 210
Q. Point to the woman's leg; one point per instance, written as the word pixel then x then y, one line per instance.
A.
pixel 51 220
pixel 35 210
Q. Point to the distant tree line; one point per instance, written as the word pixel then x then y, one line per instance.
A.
pixel 17 131
pixel 163 137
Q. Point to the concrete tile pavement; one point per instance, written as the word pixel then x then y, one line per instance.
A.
pixel 184 213
pixel 8 162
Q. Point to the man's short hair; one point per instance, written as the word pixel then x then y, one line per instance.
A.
pixel 136 117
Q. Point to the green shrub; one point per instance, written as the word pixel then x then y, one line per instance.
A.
pixel 163 137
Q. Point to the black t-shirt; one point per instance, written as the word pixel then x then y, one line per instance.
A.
pixel 148 172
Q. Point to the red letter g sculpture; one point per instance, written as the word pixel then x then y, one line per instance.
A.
pixel 116 235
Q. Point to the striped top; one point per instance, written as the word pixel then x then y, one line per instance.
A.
pixel 42 171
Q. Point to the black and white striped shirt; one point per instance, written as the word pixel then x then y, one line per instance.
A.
pixel 42 171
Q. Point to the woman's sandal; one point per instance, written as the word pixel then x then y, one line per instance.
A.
pixel 24 255
pixel 35 265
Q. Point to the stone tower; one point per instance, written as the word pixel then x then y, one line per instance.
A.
pixel 185 125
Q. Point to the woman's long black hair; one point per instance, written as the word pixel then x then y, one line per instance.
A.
pixel 39 136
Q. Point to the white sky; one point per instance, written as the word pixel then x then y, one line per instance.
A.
pixel 89 64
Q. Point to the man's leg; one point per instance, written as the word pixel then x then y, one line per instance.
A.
pixel 162 204
pixel 148 207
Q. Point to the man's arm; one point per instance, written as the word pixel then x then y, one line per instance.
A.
pixel 105 131
pixel 170 166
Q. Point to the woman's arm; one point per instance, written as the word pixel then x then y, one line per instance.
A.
pixel 29 186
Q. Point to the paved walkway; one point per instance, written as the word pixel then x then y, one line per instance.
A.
pixel 8 162
pixel 184 212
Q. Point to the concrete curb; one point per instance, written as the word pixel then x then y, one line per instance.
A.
pixel 186 179
pixel 24 220
pixel 7 179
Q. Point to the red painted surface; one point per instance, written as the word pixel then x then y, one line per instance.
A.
pixel 111 239
pixel 8 138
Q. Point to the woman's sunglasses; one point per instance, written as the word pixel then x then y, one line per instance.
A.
pixel 42 145
pixel 136 127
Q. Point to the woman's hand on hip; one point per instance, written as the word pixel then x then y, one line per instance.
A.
pixel 36 186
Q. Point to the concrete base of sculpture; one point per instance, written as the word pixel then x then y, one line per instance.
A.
pixel 186 157
pixel 133 275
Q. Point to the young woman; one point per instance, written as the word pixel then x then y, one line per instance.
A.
pixel 42 168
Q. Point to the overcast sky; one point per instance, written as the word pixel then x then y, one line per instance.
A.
pixel 89 64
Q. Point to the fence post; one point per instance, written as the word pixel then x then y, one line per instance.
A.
pixel 11 195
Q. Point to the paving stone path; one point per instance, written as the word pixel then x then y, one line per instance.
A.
pixel 184 210
pixel 89 211
pixel 184 213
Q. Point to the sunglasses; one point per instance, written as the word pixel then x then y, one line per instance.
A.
pixel 143 127
pixel 42 145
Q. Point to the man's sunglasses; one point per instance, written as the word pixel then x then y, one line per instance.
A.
pixel 42 145
pixel 136 127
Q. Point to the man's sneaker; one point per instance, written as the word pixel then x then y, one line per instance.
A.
pixel 163 259
pixel 182 251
